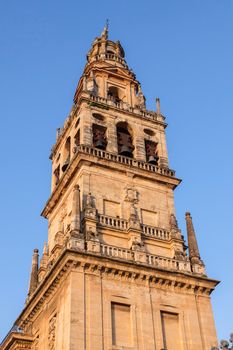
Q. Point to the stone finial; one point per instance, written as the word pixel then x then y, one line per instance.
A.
pixel 104 34
pixel 158 105
pixel 192 241
pixel 133 214
pixel 75 215
pixel 89 201
pixel 173 222
pixel 34 272
pixel 44 259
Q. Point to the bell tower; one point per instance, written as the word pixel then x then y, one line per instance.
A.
pixel 115 273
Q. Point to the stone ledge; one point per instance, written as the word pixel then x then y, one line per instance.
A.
pixel 17 340
pixel 87 262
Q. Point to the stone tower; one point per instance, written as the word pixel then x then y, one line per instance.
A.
pixel 115 274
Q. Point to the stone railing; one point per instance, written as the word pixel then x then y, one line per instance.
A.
pixel 124 160
pixel 117 252
pixel 111 57
pixel 122 224
pixel 155 232
pixel 168 263
pixel 125 107
pixel 114 222
pixel 151 260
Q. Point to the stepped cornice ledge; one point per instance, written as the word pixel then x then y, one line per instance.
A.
pixel 71 260
pixel 84 153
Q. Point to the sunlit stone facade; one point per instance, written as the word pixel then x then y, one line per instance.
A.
pixel 115 273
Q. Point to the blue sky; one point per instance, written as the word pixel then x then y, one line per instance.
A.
pixel 182 52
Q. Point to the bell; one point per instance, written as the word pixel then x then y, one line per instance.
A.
pixel 101 144
pixel 126 151
pixel 65 165
pixel 99 140
pixel 153 159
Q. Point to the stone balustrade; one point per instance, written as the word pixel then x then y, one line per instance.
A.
pixel 124 160
pixel 117 252
pixel 152 260
pixel 125 107
pixel 122 224
pixel 155 232
pixel 110 57
pixel 114 222
pixel 168 263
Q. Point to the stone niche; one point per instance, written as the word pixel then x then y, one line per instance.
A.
pixel 149 217
pixel 111 208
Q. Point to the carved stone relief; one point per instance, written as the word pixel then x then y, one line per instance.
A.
pixel 131 194
pixel 52 332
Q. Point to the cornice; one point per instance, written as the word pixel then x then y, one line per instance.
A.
pixel 17 340
pixel 80 157
pixel 105 267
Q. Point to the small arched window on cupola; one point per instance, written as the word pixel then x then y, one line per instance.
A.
pixel 124 140
pixel 151 152
pixel 110 53
pixel 66 155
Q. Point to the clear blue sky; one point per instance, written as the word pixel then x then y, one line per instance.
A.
pixel 182 52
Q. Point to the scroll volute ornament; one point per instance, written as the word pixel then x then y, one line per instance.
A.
pixel 99 137
pixel 125 145
pixel 151 152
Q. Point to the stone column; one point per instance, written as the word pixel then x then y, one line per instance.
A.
pixel 75 239
pixel 75 215
pixel 43 263
pixel 86 137
pixel 112 135
pixel 90 225
pixel 139 142
pixel 134 230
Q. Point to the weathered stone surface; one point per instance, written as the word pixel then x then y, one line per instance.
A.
pixel 115 274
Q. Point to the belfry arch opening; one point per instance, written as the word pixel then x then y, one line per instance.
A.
pixel 99 136
pixel 66 155
pixel 114 94
pixel 124 140
pixel 151 149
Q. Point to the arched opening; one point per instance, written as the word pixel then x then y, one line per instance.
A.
pixel 110 52
pixel 151 152
pixel 57 175
pixel 124 140
pixel 113 94
pixel 98 116
pixel 149 132
pixel 99 136
pixel 77 138
pixel 66 155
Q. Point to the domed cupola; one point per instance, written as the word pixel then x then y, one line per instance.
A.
pixel 105 49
